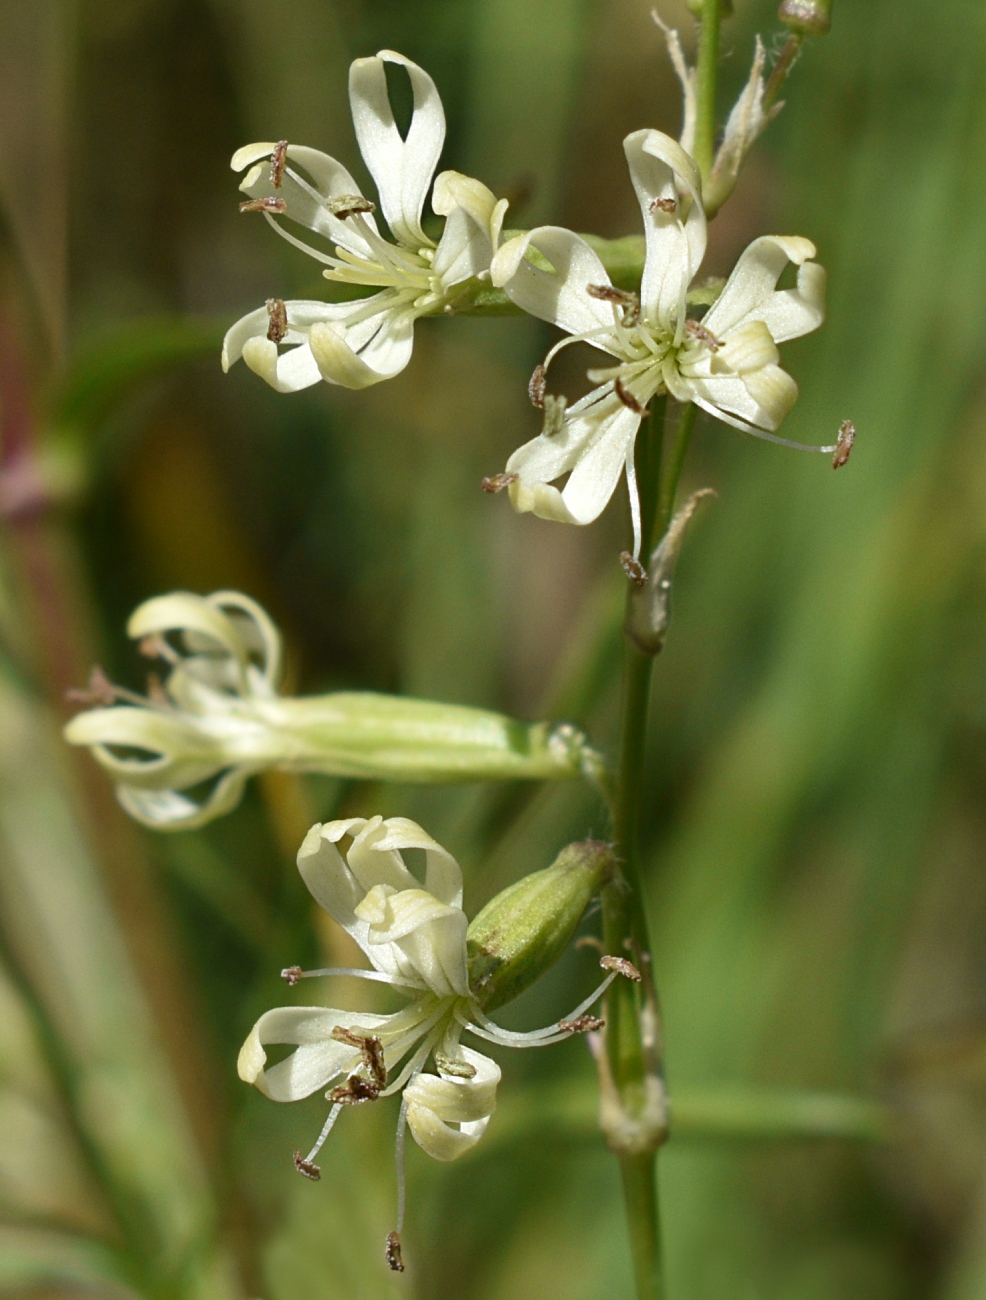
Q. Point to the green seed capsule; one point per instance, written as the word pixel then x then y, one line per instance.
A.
pixel 526 928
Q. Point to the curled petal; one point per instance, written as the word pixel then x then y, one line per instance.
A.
pixel 344 356
pixel 465 249
pixel 286 372
pixel 455 190
pixel 443 875
pixel 591 448
pixel 427 938
pixel 401 168
pixel 437 1103
pixel 556 288
pixel 669 190
pixel 758 400
pixel 168 810
pixel 319 1057
pixel 751 293
pixel 226 620
pixel 749 347
pixel 296 367
pixel 174 751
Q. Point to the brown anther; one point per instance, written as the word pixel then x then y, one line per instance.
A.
pixel 277 161
pixel 498 482
pixel 307 1167
pixel 844 443
pixel 698 331
pixel 589 941
pixel 291 975
pixel 629 302
pixel 536 386
pixel 355 1090
pixel 154 647
pixel 371 1049
pixel 395 1261
pixel 277 317
pixel 664 205
pixel 581 1024
pixel 267 204
pixel 99 691
pixel 622 967
pixel 627 398
pixel 634 570
pixel 349 205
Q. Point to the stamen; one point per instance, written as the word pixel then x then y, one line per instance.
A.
pixel 698 331
pixel 634 570
pixel 370 1049
pixel 582 1024
pixel 493 1032
pixel 536 386
pixel 156 693
pixel 292 974
pixel 267 204
pixel 630 469
pixel 306 1167
pixel 627 398
pixel 663 205
pixel 394 1260
pixel 498 482
pixel 629 303
pixel 356 1089
pixel 727 418
pixel 277 316
pixel 843 448
pixel 349 205
pixel 277 160
pixel 156 647
pixel 620 966
pixel 99 691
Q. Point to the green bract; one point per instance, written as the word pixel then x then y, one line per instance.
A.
pixel 526 927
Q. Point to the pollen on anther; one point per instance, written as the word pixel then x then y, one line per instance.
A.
pixel 99 691
pixel 622 967
pixel 498 482
pixel 355 1090
pixel 395 1261
pixel 267 204
pixel 637 574
pixel 698 331
pixel 277 160
pixel 307 1167
pixel 582 1024
pixel 536 386
pixel 627 398
pixel 844 443
pixel 349 205
pixel 663 205
pixel 277 315
pixel 291 975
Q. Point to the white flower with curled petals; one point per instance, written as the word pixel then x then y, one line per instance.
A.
pixel 355 344
pixel 726 363
pixel 414 937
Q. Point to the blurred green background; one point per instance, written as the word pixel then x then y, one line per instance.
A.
pixel 816 823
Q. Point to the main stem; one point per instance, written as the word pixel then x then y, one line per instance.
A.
pixel 706 70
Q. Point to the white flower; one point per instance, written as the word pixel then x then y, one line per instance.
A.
pixel 182 754
pixel 415 940
pixel 726 363
pixel 361 342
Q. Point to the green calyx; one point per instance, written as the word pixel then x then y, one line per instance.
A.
pixel 523 931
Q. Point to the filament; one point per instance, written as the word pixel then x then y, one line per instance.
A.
pixel 491 1031
pixel 326 1130
pixel 399 1160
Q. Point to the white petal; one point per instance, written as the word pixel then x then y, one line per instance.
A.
pixel 435 1104
pixel 443 875
pixel 429 937
pixel 456 190
pixel 750 292
pixel 319 1057
pixel 661 171
pixel 559 296
pixel 344 358
pixel 592 446
pixel 401 168
pixel 749 346
pixel 761 399
pixel 188 613
pixel 290 370
pixel 286 372
pixel 167 810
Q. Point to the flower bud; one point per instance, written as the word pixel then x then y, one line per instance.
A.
pixel 807 17
pixel 526 927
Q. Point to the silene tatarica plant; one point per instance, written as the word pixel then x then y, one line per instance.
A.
pixel 671 343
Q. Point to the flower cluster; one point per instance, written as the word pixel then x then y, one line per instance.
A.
pixel 418 941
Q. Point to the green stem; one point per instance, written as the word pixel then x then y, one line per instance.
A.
pixel 705 87
pixel 640 1194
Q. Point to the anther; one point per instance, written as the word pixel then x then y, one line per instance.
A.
pixel 627 398
pixel 634 570
pixel 628 302
pixel 844 443
pixel 371 1049
pixel 581 1024
pixel 663 205
pixel 698 331
pixel 349 205
pixel 99 691
pixel 356 1089
pixel 155 647
pixel 536 386
pixel 292 974
pixel 622 967
pixel 498 482
pixel 307 1167
pixel 395 1261
pixel 277 160
pixel 156 693
pixel 267 204
pixel 277 316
